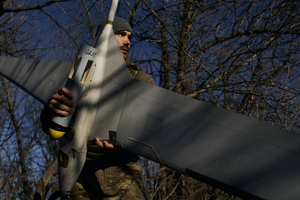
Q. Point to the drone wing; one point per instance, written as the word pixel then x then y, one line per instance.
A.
pixel 242 155
pixel 36 77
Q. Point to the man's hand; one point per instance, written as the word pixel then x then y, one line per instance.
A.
pixel 104 143
pixel 61 102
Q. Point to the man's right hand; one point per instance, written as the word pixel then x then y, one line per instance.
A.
pixel 61 102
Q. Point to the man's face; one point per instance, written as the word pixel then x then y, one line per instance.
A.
pixel 123 38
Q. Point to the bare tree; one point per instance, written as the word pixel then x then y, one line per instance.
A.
pixel 239 55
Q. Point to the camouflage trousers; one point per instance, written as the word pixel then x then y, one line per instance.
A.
pixel 112 183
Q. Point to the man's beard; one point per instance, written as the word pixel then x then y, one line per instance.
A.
pixel 125 51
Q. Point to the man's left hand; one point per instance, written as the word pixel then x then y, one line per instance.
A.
pixel 104 143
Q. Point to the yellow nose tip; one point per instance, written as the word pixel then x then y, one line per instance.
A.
pixel 55 134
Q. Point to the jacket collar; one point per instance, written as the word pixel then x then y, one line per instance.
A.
pixel 130 64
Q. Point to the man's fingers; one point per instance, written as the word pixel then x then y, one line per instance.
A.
pixel 104 144
pixel 61 102
pixel 66 92
pixel 58 111
pixel 108 145
pixel 61 107
pixel 65 96
pixel 98 142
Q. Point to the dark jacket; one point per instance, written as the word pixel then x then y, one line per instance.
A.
pixel 137 73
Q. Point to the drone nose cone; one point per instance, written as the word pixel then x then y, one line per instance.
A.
pixel 55 134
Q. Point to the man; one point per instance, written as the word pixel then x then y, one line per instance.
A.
pixel 109 173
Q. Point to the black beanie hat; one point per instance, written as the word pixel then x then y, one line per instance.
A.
pixel 119 24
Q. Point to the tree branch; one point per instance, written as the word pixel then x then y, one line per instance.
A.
pixel 33 7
